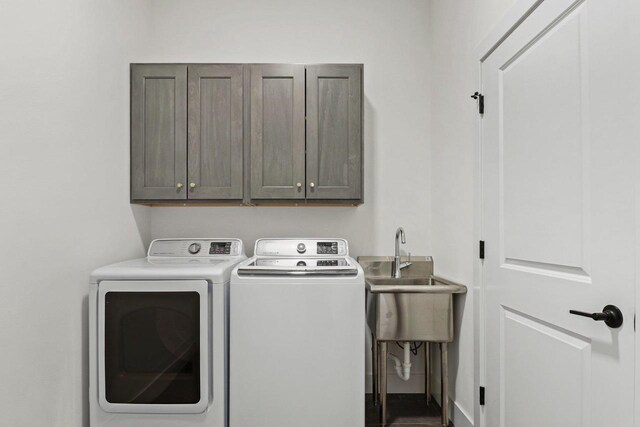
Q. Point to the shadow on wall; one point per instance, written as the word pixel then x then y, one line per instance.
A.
pixel 369 159
pixel 454 356
pixel 141 216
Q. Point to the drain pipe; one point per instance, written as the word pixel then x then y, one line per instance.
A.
pixel 403 369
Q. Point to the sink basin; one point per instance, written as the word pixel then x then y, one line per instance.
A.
pixel 416 307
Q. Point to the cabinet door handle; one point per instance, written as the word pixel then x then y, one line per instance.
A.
pixel 192 185
pixel 179 186
pixel 312 185
pixel 299 185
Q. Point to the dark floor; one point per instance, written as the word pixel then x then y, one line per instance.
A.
pixel 404 410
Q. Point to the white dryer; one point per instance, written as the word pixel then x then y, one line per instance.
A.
pixel 297 329
pixel 158 336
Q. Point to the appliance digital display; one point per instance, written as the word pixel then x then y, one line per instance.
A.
pixel 220 248
pixel 327 248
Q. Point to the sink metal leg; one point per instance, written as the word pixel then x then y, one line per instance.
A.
pixel 383 382
pixel 427 372
pixel 445 383
pixel 374 369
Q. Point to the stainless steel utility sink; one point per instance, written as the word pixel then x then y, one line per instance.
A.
pixel 416 307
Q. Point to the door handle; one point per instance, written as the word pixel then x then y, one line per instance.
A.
pixel 611 315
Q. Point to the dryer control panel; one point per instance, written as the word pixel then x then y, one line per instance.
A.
pixel 195 248
pixel 298 247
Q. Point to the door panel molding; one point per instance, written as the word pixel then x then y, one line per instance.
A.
pixel 575 274
pixel 546 143
pixel 524 344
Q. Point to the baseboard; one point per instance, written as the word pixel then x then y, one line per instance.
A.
pixel 416 385
pixel 459 417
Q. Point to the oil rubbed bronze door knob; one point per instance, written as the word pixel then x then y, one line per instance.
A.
pixel 611 315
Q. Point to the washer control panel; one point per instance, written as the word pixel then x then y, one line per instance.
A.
pixel 297 247
pixel 328 263
pixel 327 248
pixel 220 248
pixel 298 262
pixel 195 248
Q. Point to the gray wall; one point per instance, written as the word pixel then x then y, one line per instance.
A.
pixel 64 133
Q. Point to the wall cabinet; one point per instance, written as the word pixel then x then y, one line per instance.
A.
pixel 251 133
pixel 158 132
pixel 173 158
pixel 215 132
pixel 334 132
pixel 277 132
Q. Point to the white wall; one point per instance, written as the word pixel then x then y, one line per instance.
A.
pixel 456 28
pixel 64 133
pixel 390 39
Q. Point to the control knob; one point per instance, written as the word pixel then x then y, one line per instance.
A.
pixel 194 248
pixel 302 248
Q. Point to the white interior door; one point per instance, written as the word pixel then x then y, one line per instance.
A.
pixel 557 162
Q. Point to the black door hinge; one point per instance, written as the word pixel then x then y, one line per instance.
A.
pixel 480 98
pixel 482 396
pixel 481 249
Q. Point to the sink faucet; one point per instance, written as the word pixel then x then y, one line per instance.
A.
pixel 397 265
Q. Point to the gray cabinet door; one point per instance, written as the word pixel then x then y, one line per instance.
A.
pixel 215 132
pixel 158 132
pixel 277 132
pixel 334 131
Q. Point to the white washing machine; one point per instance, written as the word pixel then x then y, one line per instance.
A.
pixel 297 330
pixel 158 336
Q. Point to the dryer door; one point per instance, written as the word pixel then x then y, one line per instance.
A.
pixel 153 349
